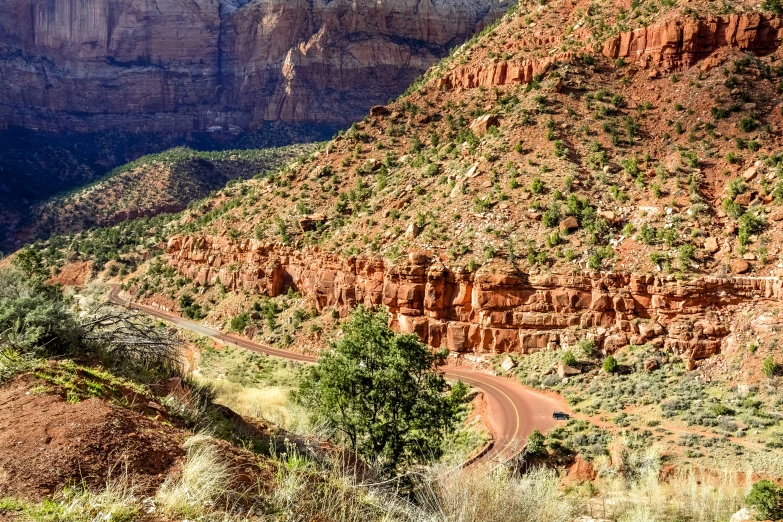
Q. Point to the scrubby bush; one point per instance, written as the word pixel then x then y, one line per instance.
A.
pixel 767 499
pixel 587 346
pixel 610 364
pixel 239 323
pixel 769 367
pixel 535 444
pixel 568 358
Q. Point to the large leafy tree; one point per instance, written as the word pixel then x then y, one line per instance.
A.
pixel 383 392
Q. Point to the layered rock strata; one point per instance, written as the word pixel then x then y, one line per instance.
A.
pixel 673 46
pixel 493 310
pixel 170 66
pixel 679 44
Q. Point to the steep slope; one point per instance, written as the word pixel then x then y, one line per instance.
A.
pixel 89 86
pixel 566 175
pixel 151 185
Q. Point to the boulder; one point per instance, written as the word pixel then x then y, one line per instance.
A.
pixel 508 364
pixel 417 257
pixel 568 224
pixel 651 365
pixel 563 370
pixel 739 266
pixel 608 215
pixel 614 342
pixel 412 231
pixel 744 199
pixel 711 245
pixel 481 124
pixel 380 110
pixel 308 223
pixel 750 173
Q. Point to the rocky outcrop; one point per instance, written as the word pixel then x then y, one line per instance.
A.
pixel 498 72
pixel 676 45
pixel 159 66
pixel 679 44
pixel 493 310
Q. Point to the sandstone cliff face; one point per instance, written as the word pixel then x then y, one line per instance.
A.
pixel 677 45
pixel 672 46
pixel 493 310
pixel 176 66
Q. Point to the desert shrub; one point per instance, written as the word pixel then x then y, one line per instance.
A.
pixel 610 364
pixel 587 346
pixel 568 358
pixel 239 323
pixel 767 499
pixel 769 367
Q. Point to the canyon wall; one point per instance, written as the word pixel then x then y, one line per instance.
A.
pixel 171 66
pixel 496 309
pixel 679 44
pixel 673 46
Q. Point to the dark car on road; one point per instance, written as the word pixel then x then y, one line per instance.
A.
pixel 559 415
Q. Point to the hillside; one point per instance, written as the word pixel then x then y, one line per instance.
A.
pixel 667 183
pixel 151 185
pixel 592 188
pixel 36 166
pixel 92 86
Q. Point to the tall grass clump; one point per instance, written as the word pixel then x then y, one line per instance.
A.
pixel 634 491
pixel 203 485
pixel 496 496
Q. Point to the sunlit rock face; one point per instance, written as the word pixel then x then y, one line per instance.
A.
pixel 217 65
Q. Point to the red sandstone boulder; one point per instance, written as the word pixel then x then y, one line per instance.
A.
pixel 482 124
pixel 568 224
pixel 739 266
pixel 564 370
pixel 615 342
pixel 308 223
pixel 380 110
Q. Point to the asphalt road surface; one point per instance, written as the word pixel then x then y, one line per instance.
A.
pixel 513 411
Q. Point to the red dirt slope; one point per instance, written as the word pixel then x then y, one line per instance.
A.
pixel 45 442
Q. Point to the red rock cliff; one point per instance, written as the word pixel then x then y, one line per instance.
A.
pixel 673 46
pixel 493 310
pixel 176 66
pixel 681 43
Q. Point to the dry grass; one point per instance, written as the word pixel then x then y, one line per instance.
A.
pixel 633 491
pixel 203 485
pixel 270 403
pixel 499 495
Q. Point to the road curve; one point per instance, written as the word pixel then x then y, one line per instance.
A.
pixel 513 411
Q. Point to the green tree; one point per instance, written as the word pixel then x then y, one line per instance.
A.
pixel 34 317
pixel 239 323
pixel 767 499
pixel 382 392
pixel 535 444
pixel 610 364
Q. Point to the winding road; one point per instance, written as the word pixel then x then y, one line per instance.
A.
pixel 513 411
